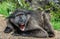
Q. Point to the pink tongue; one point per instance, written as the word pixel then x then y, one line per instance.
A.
pixel 22 28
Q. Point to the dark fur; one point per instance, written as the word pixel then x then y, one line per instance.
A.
pixel 38 25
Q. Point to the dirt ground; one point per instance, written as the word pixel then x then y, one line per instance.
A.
pixel 9 36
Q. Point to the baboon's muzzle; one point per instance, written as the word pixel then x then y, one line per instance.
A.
pixel 22 27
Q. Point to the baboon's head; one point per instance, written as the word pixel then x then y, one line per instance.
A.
pixel 21 19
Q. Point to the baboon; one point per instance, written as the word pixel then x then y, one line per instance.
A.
pixel 29 23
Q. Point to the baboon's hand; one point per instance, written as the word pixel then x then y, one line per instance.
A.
pixel 7 30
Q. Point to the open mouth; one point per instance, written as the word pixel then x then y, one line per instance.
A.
pixel 22 27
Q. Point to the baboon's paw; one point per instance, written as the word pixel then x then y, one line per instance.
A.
pixel 7 30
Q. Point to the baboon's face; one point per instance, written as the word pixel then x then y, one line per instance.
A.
pixel 21 19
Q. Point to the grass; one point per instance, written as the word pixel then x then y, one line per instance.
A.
pixel 6 7
pixel 56 25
